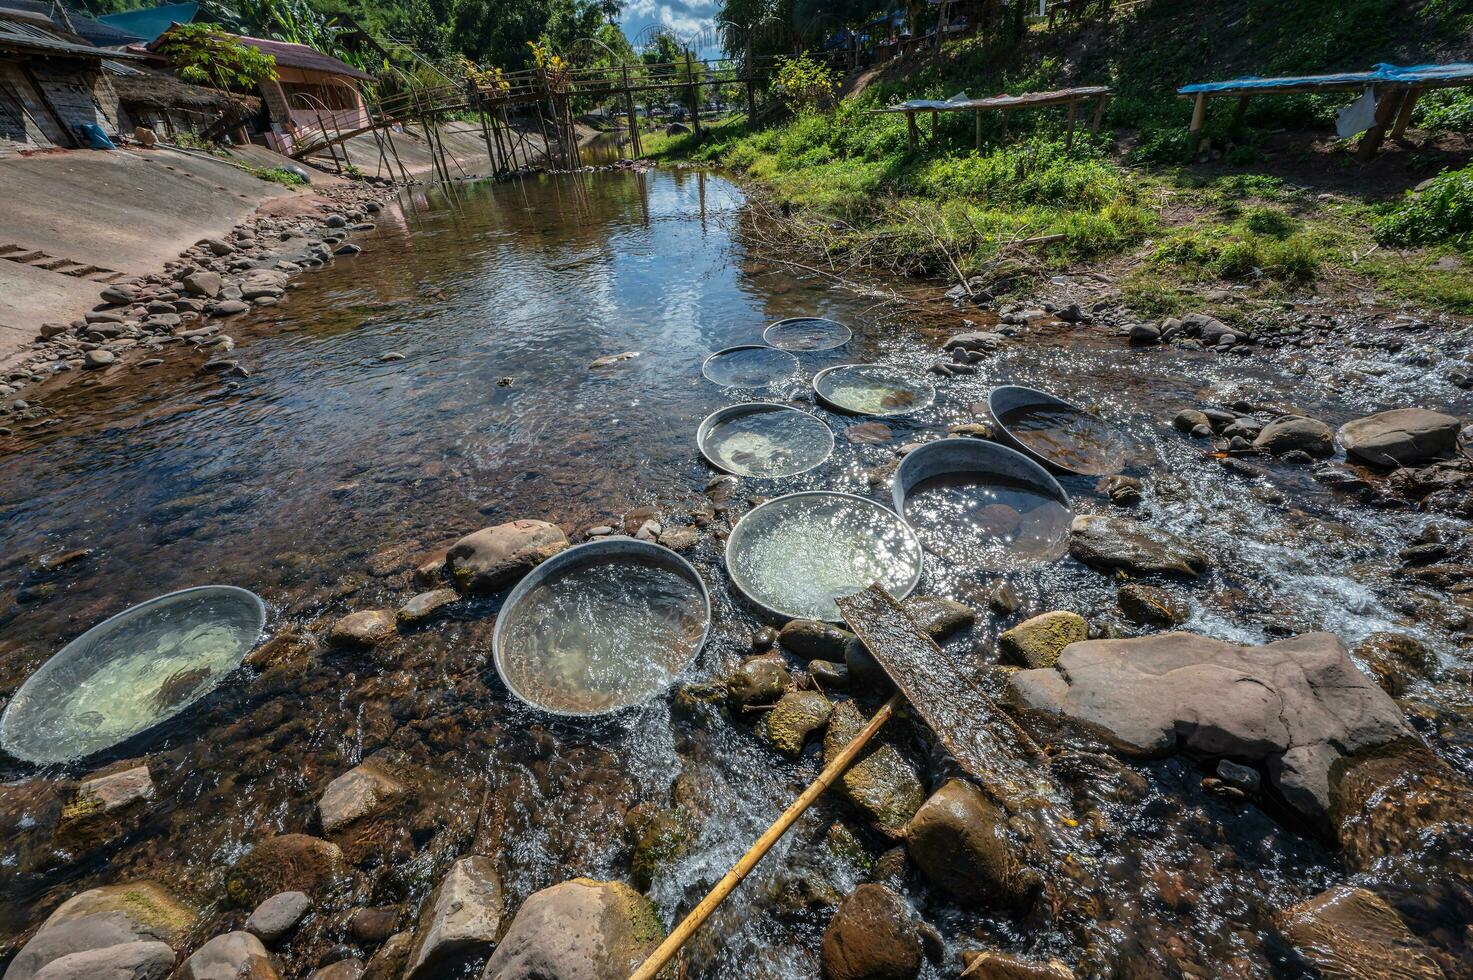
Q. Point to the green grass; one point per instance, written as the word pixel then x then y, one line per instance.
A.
pixel 276 175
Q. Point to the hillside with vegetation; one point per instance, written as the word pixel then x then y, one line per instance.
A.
pixel 1272 201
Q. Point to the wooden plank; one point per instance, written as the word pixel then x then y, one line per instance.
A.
pixel 1404 115
pixel 984 741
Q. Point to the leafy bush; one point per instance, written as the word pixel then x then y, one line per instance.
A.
pixel 206 55
pixel 277 175
pixel 1446 110
pixel 1440 213
pixel 804 83
pixel 1268 221
pixel 1169 144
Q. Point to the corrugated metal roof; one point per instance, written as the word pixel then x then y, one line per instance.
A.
pixel 303 57
pixel 149 22
pixel 18 35
pixel 90 30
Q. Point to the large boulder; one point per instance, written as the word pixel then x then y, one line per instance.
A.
pixel 1119 543
pixel 1351 933
pixel 460 921
pixel 1296 432
pixel 960 842
pixel 1400 437
pixel 226 958
pixel 149 960
pixel 873 936
pixel 112 915
pixel 495 556
pixel 1298 706
pixel 578 930
pixel 883 785
pixel 287 862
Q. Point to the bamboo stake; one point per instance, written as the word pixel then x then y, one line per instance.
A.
pixel 698 915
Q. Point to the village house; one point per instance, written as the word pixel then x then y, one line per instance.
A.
pixel 52 79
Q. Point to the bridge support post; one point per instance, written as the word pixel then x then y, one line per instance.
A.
pixel 695 100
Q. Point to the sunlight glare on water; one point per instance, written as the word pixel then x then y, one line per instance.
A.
pixel 769 443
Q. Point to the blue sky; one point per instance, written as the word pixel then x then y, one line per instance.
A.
pixel 684 17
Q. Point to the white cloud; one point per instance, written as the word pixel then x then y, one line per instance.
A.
pixel 683 22
pixel 640 8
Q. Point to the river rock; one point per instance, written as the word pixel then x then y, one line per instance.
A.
pixel 365 628
pixel 938 616
pixel 797 715
pixel 958 838
pixel 277 916
pixel 112 915
pixel 387 962
pixel 494 556
pixel 230 307
pixel 578 930
pixel 374 925
pixel 103 809
pixel 363 790
pixel 1299 706
pixel 98 358
pixel 286 862
pixel 1351 933
pixel 1037 642
pixel 347 969
pixel 426 604
pixel 1111 543
pixel 1005 966
pixel 810 638
pixel 1395 660
pixel 884 786
pixel 226 958
pixel 759 680
pixel 460 921
pixel 125 961
pixel 1149 605
pixel 1290 433
pixel 202 283
pixel 1210 329
pixel 872 936
pixel 980 341
pixel 1189 420
pixel 1400 437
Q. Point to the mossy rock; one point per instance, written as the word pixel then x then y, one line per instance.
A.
pixel 759 680
pixel 665 835
pixel 1037 642
pixel 886 788
pixel 289 862
pixel 797 715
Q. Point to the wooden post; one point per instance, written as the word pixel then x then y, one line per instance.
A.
pixel 751 71
pixel 1005 125
pixel 486 135
pixel 911 133
pixel 1404 114
pixel 1094 122
pixel 977 125
pixel 1199 117
pixel 632 117
pixel 695 101
pixel 1073 114
pixel 1240 110
pixel 678 937
pixel 934 114
pixel 1371 142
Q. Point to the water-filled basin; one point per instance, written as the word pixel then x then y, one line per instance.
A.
pixel 794 555
pixel 807 333
pixel 749 366
pixel 1057 433
pixel 872 389
pixel 982 505
pixel 764 440
pixel 131 672
pixel 601 626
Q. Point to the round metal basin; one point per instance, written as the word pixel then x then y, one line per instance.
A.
pixel 872 389
pixel 794 555
pixel 764 440
pixel 807 333
pixel 749 366
pixel 982 505
pixel 1057 433
pixel 131 672
pixel 600 627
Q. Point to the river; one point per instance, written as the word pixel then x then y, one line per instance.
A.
pixel 321 478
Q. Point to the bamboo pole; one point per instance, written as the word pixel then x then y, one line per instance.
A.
pixel 681 934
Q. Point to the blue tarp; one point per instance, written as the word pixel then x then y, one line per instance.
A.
pixel 1381 74
pixel 150 22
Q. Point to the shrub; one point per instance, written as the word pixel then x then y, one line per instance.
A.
pixel 1440 213
pixel 1170 144
pixel 207 55
pixel 1446 110
pixel 803 83
pixel 1268 221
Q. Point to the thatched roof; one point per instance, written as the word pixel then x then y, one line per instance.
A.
pixel 159 90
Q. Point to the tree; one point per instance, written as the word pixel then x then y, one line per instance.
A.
pixel 206 55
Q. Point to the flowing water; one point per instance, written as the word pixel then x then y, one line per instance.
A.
pixel 873 389
pixel 1067 437
pixel 769 442
pixel 321 480
pixel 749 367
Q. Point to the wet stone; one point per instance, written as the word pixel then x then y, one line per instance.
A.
pixel 374 925
pixel 578 930
pixel 940 617
pixel 1111 543
pixel 1004 966
pixel 814 638
pixel 226 958
pixel 759 680
pixel 797 715
pixel 460 921
pixel 125 961
pixel 1351 932
pixel 365 628
pixel 100 918
pixel 874 935
pixel 1149 605
pixel 495 556
pixel 1039 641
pixel 361 791
pixel 426 604
pixel 1292 433
pixel 959 840
pixel 278 915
